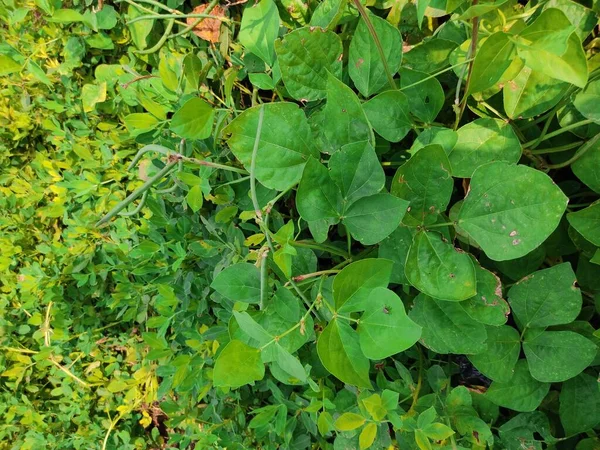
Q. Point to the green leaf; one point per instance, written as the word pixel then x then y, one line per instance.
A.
pixel 139 30
pixel 325 423
pixel 438 269
pixel 483 141
pixel 447 328
pixel 138 123
pixel 249 326
pixel 288 363
pixel 306 57
pixel 426 98
pixel 239 283
pixel 259 29
pixel 587 222
pixel 491 61
pixel 318 196
pixel 531 93
pixel 357 171
pixel 438 431
pixel 92 94
pixel 395 248
pixel 8 65
pixel 422 440
pixel 342 121
pixel 375 407
pixel 340 353
pixel 546 297
pixel 66 16
pixel 328 13
pixel 435 135
pixel 510 210
pixel 522 393
pixel 284 146
pixel 424 181
pixel 580 404
pixel 555 356
pixel 194 198
pixel 237 365
pixel 372 219
pixel 388 112
pixel 587 100
pixel 551 45
pixel 367 436
pixel 587 167
pixel 430 56
pixel 194 120
pixel 349 421
pixel 365 66
pixel 353 285
pixel 498 360
pixel 487 306
pixel 385 329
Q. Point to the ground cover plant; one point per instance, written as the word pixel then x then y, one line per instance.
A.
pixel 299 225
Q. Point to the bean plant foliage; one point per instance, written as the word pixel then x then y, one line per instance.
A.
pixel 280 224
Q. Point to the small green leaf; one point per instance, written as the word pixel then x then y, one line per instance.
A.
pixel 259 29
pixel 580 404
pixel 352 287
pixel 587 100
pixel 587 222
pixel 395 247
pixel 422 440
pixel 522 393
pixel 325 423
pixel 498 360
pixel 424 181
pixel 239 283
pixel 8 65
pixel 555 356
pixel 491 61
pixel 384 328
pixel 438 269
pixel 367 436
pixel 237 365
pixel 487 306
pixel 365 66
pixel 194 120
pixel 349 421
pixel 340 353
pixel 194 198
pixel 249 326
pixel 438 431
pixel 388 112
pixel 138 123
pixel 483 141
pixel 318 196
pixel 587 167
pixel 426 417
pixel 374 406
pixel 510 210
pixel 560 302
pixel 426 98
pixel 92 94
pixel 306 57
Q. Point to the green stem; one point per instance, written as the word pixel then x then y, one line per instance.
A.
pixel 472 51
pixel 135 194
pixel 323 247
pixel 415 395
pixel 314 274
pixel 447 69
pixel 584 148
pixel 560 148
pixel 339 316
pixel 439 225
pixel 534 143
pixel 156 47
pixel 386 67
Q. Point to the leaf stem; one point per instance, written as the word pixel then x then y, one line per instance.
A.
pixel 584 148
pixel 560 148
pixel 415 396
pixel 365 16
pixel 315 274
pixel 324 247
pixel 439 225
pixel 447 69
pixel 534 143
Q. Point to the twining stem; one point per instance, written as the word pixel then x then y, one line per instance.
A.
pixel 135 194
pixel 584 148
pixel 369 24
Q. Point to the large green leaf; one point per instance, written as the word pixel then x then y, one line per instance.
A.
pixel 237 365
pixel 447 328
pixel 259 29
pixel 555 356
pixel 388 112
pixel 395 248
pixel 342 121
pixel 587 222
pixel 357 171
pixel 483 141
pixel 372 219
pixel 194 120
pixel 546 297
pixel 551 45
pixel 284 146
pixel 339 350
pixel 531 93
pixel 424 181
pixel 318 196
pixel 587 101
pixel 306 56
pixel 365 66
pixel 487 306
pixel 239 283
pixel 384 328
pixel 491 61
pixel 445 137
pixel 498 360
pixel 521 393
pixel 580 404
pixel 511 209
pixel 438 269
pixel 425 95
pixel 587 167
pixel 355 282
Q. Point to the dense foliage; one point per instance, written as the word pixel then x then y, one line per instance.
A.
pixel 285 224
